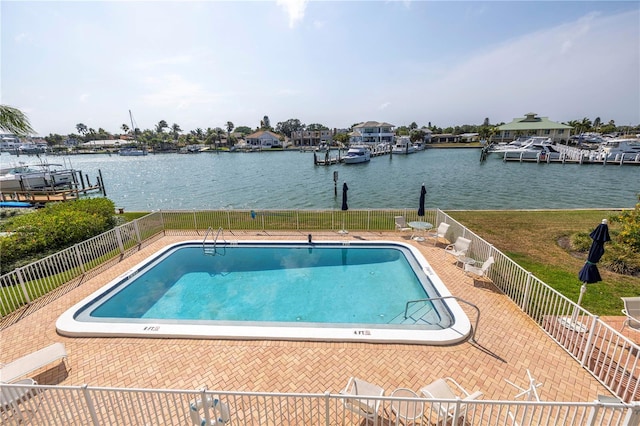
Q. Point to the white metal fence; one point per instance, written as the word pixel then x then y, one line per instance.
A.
pixel 85 405
pixel 612 358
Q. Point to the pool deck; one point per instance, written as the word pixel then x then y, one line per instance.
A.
pixel 508 343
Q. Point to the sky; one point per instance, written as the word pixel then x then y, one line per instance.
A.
pixel 336 63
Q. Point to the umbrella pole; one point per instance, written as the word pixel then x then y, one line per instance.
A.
pixel 574 317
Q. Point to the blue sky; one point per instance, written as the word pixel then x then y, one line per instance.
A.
pixel 201 64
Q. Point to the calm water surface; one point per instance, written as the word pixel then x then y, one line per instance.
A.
pixel 454 178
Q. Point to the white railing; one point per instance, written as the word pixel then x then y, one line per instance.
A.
pixel 86 405
pixel 611 357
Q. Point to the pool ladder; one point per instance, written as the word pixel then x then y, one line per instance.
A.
pixel 212 250
pixel 473 329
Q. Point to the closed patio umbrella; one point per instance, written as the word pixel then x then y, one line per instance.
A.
pixel 589 273
pixel 345 188
pixel 345 207
pixel 423 193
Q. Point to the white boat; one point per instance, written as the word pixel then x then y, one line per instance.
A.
pixel 403 146
pixel 502 147
pixel 614 148
pixel 357 154
pixel 132 152
pixel 535 147
pixel 37 176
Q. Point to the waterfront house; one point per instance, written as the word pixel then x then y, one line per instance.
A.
pixel 264 139
pixel 372 133
pixel 532 125
pixel 311 137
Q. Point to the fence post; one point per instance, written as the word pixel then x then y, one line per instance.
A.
pixel 164 231
pixel 195 222
pixel 632 418
pixel 79 256
pixel 327 408
pixel 119 239
pixel 22 285
pixel 587 346
pixel 298 219
pixel 137 230
pixel 90 407
pixel 228 220
pixel 527 290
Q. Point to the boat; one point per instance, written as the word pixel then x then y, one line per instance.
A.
pixel 536 147
pixel 613 148
pixel 502 147
pixel 132 152
pixel 403 146
pixel 37 176
pixel 357 154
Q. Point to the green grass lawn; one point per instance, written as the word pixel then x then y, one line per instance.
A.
pixel 532 239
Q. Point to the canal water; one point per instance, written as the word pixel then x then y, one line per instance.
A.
pixel 454 178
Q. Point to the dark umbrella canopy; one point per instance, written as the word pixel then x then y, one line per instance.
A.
pixel 589 273
pixel 423 193
pixel 345 188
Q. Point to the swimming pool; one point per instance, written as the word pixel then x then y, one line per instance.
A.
pixel 329 291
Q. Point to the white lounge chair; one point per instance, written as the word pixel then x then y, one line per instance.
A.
pixel 458 249
pixel 11 399
pixel 401 224
pixel 31 362
pixel 479 271
pixel 438 234
pixel 632 312
pixel 367 408
pixel 448 388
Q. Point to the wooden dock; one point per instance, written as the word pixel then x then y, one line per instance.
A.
pixel 47 196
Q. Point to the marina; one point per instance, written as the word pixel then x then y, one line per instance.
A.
pixel 454 179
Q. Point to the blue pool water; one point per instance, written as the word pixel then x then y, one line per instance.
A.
pixel 288 290
pixel 271 283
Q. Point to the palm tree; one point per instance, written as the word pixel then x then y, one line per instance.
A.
pixel 175 129
pixel 14 121
pixel 230 127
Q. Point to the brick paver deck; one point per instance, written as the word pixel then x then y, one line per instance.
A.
pixel 508 343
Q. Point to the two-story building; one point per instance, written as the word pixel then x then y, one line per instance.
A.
pixel 372 133
pixel 531 125
pixel 311 137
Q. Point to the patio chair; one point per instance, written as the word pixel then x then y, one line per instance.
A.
pixel 367 408
pixel 448 388
pixel 31 362
pixel 11 399
pixel 458 249
pixel 437 234
pixel 632 312
pixel 401 224
pixel 479 271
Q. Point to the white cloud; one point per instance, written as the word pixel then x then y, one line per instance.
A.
pixel 295 9
pixel 83 97
pixel 565 72
pixel 384 106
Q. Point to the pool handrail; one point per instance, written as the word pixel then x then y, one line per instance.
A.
pixel 457 299
pixel 215 240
